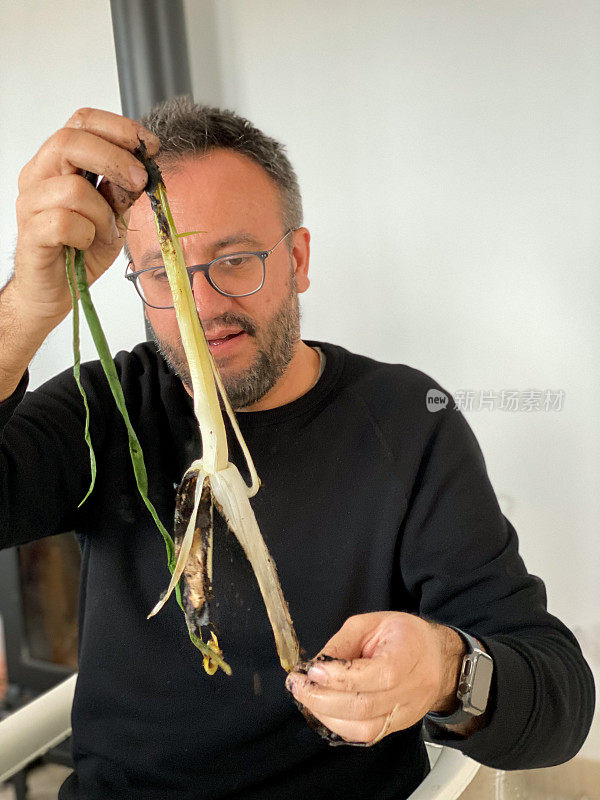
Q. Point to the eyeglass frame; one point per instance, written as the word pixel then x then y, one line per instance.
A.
pixel 204 268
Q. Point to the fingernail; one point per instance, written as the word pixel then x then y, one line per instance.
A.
pixel 289 683
pixel 138 175
pixel 318 675
pixel 149 138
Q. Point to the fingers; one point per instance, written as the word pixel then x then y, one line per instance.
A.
pixel 97 141
pixel 368 653
pixel 57 206
pixel 60 227
pixel 114 128
pixel 367 732
pixel 72 193
pixel 346 705
pixel 69 151
pixel 378 674
pixel 116 196
pixel 355 635
pixel 359 716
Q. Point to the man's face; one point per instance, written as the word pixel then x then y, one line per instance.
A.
pixel 237 207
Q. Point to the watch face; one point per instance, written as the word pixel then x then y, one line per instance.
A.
pixel 481 680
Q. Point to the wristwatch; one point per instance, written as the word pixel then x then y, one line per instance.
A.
pixel 473 684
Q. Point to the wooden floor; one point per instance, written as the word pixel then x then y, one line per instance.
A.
pixel 43 783
pixel 578 779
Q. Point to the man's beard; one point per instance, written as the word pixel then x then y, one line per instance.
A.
pixel 276 342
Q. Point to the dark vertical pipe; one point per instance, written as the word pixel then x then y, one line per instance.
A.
pixel 152 56
pixel 152 53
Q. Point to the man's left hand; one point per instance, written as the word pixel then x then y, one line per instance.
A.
pixel 390 669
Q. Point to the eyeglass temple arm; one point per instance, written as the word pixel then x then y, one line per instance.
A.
pixel 287 233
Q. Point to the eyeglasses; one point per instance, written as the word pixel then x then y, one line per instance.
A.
pixel 234 275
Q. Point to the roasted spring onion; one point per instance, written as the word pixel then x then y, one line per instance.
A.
pixel 218 482
pixel 210 481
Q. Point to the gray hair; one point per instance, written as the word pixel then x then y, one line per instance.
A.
pixel 187 128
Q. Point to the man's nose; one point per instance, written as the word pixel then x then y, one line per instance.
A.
pixel 209 302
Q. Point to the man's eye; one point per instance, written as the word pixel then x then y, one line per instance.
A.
pixel 235 261
pixel 158 275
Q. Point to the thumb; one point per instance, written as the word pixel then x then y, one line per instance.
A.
pixel 357 638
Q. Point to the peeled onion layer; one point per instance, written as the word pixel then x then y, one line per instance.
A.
pixel 230 496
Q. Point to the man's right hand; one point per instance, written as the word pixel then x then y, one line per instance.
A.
pixel 57 206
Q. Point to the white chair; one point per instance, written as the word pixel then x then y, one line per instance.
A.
pixel 451 773
pixel 45 722
pixel 37 727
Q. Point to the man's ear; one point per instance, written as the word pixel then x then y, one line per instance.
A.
pixel 301 258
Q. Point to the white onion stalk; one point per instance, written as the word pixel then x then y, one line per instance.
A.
pixel 217 480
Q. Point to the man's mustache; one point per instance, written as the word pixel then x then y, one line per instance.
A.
pixel 229 319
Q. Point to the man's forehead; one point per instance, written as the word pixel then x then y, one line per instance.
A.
pixel 215 168
pixel 224 194
pixel 221 177
pixel 240 239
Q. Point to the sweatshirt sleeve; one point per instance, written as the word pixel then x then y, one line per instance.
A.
pixel 459 558
pixel 44 460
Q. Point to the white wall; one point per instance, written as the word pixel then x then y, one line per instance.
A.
pixel 449 156
pixel 450 162
pixel 448 150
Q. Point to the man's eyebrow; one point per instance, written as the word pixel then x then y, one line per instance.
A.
pixel 240 238
pixel 236 238
pixel 153 254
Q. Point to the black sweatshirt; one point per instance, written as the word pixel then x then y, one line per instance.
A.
pixel 369 501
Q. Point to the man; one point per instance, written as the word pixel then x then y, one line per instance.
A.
pixel 379 515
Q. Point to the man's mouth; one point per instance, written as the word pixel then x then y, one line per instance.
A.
pixel 224 339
